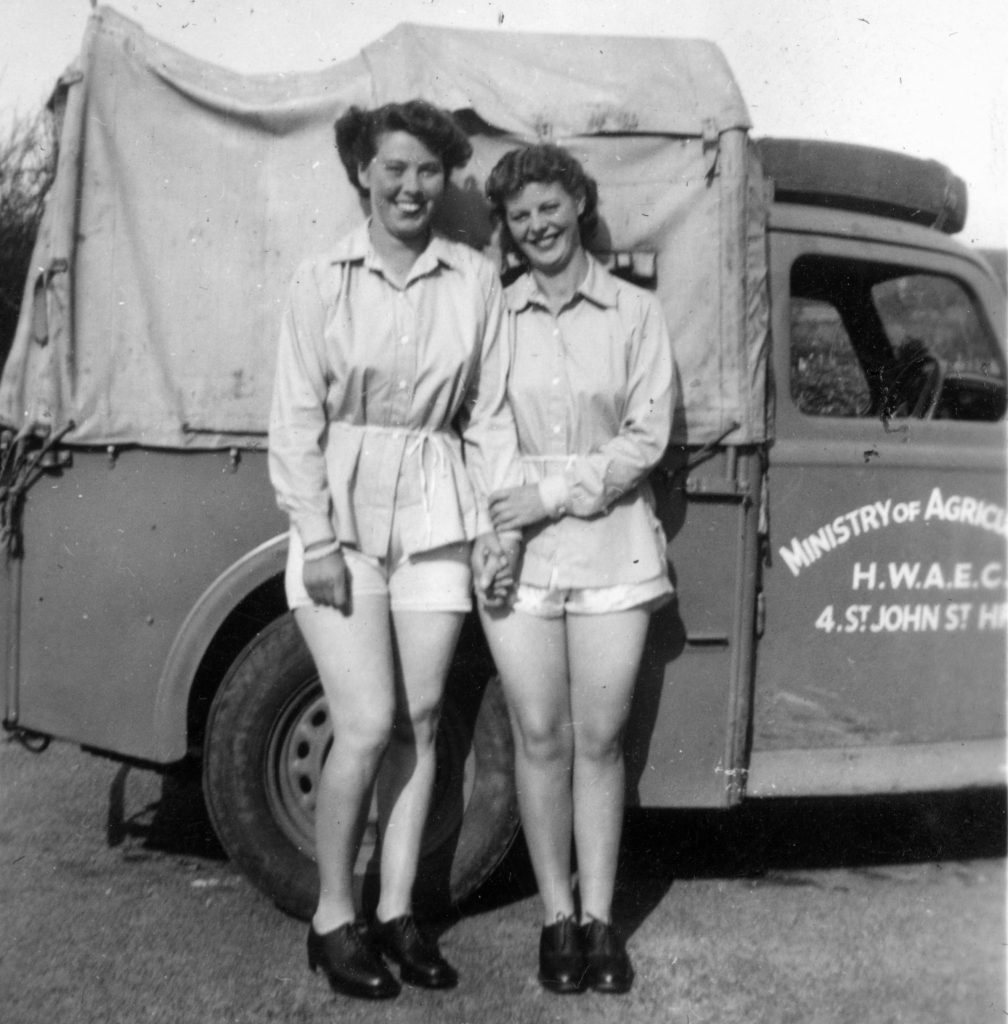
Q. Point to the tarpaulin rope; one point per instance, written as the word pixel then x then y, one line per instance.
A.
pixel 19 469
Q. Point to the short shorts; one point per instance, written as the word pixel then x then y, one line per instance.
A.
pixel 554 602
pixel 438 580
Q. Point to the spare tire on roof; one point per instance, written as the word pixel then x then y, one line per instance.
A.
pixel 866 180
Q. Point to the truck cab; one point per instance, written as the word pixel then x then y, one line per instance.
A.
pixel 882 661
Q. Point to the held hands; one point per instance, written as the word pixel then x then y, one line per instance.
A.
pixel 494 569
pixel 516 507
pixel 325 579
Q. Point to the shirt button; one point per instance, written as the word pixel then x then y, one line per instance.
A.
pixel 555 381
pixel 404 340
pixel 402 385
pixel 556 428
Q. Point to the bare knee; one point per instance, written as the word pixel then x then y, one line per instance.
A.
pixel 598 745
pixel 365 733
pixel 417 725
pixel 546 742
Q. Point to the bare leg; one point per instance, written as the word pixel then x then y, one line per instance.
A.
pixel 425 643
pixel 605 653
pixel 531 655
pixel 353 655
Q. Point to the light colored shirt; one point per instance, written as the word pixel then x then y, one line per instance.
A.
pixel 592 391
pixel 389 402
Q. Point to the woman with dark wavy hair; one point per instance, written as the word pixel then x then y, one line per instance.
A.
pixel 591 388
pixel 389 367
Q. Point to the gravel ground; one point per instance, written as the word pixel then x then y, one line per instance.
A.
pixel 117 906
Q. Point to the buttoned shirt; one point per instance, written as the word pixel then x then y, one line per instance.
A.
pixel 389 402
pixel 592 390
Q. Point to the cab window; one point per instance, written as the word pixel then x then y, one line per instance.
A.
pixel 878 340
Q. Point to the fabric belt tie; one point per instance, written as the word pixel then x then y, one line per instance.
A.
pixel 420 440
pixel 416 442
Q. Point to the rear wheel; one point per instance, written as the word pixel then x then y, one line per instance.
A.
pixel 267 737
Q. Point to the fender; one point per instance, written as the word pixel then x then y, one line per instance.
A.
pixel 196 633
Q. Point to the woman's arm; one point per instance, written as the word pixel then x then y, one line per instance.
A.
pixel 517 507
pixel 590 483
pixel 298 414
pixel 490 445
pixel 489 436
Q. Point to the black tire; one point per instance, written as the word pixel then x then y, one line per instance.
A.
pixel 864 179
pixel 267 735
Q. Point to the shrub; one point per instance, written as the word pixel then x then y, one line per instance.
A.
pixel 27 168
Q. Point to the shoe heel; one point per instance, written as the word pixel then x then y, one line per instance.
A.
pixel 349 965
pixel 316 951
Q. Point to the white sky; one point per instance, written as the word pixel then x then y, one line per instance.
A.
pixel 926 77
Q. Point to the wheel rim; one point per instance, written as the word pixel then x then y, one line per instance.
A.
pixel 298 746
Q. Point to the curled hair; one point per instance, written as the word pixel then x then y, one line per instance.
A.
pixel 544 163
pixel 358 132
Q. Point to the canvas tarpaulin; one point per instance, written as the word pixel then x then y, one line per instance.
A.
pixel 186 195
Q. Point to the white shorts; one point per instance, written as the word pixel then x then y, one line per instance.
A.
pixel 555 602
pixel 438 580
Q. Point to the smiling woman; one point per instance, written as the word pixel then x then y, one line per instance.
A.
pixel 404 180
pixel 542 221
pixel 592 389
pixel 398 158
pixel 389 341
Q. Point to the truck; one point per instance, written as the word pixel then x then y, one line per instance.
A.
pixel 833 493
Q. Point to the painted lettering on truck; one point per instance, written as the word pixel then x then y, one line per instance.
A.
pixel 802 552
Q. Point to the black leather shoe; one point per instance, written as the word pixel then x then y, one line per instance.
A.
pixel 561 957
pixel 608 966
pixel 419 959
pixel 350 964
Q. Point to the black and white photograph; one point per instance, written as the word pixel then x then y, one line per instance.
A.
pixel 666 345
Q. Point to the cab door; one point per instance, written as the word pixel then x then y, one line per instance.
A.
pixel 882 662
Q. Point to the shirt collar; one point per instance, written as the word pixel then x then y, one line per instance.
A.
pixel 356 247
pixel 598 286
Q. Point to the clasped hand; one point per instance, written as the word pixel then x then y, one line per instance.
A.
pixel 494 569
pixel 516 507
pixel 495 563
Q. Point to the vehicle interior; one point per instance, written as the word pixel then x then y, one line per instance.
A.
pixel 878 339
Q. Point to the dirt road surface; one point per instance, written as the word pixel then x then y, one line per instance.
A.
pixel 116 906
